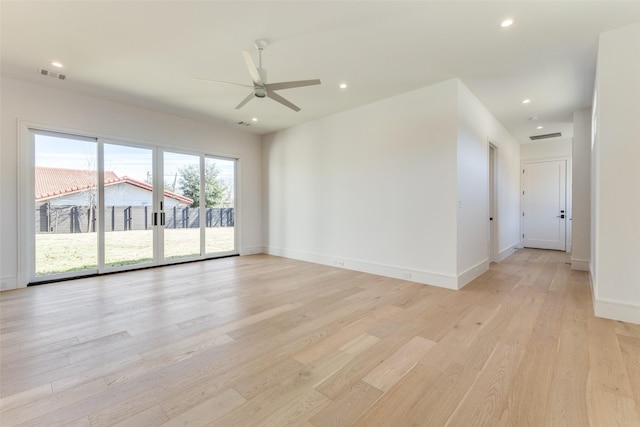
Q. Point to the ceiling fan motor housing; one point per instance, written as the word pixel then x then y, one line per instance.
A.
pixel 260 92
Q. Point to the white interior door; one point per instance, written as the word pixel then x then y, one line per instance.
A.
pixel 544 204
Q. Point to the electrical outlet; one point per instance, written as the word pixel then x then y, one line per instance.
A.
pixel 339 263
pixel 406 275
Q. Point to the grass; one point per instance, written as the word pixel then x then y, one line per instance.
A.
pixel 60 253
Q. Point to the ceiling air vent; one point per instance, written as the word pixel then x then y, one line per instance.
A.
pixel 51 74
pixel 244 124
pixel 549 135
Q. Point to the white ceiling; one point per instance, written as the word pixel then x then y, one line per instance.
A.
pixel 147 52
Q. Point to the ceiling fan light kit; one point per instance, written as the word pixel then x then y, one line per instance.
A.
pixel 261 88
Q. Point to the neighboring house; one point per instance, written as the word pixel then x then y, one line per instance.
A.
pixel 66 200
pixel 65 187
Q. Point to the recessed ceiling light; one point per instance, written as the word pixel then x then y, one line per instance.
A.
pixel 255 119
pixel 343 85
pixel 526 101
pixel 539 127
pixel 506 23
pixel 57 64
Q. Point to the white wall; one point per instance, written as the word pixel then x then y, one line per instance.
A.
pixel 476 127
pixel 546 149
pixel 50 106
pixel 581 188
pixel 616 177
pixel 372 188
pixel 376 188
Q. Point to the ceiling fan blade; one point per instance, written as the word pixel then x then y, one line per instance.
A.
pixel 253 70
pixel 244 101
pixel 282 101
pixel 221 82
pixel 290 85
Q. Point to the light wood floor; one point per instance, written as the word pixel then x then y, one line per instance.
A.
pixel 262 340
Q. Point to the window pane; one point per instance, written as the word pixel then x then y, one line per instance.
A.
pixel 181 205
pixel 65 178
pixel 220 205
pixel 128 205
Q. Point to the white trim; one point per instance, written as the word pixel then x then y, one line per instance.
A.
pixel 26 193
pixel 616 310
pixel 505 253
pixel 494 244
pixel 418 276
pixel 238 221
pixel 8 283
pixel 251 250
pixel 473 272
pixel 580 264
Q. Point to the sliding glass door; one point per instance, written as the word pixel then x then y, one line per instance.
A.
pixel 64 212
pixel 102 206
pixel 181 205
pixel 220 177
pixel 128 206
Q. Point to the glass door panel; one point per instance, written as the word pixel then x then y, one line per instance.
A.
pixel 106 206
pixel 181 204
pixel 65 181
pixel 128 205
pixel 220 205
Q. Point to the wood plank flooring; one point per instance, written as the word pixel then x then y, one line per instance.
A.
pixel 268 341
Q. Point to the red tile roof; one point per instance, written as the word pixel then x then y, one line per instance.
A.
pixel 56 182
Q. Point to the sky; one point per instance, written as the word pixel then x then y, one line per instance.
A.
pixel 123 160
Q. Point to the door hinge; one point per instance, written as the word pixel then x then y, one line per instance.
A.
pixel 523 236
pixel 522 170
pixel 522 213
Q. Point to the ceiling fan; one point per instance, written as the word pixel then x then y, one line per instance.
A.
pixel 260 86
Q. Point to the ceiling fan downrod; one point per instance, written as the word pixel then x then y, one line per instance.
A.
pixel 260 45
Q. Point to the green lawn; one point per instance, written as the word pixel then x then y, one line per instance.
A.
pixel 57 253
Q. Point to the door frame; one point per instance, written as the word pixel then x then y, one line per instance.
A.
pixel 567 195
pixel 25 185
pixel 494 247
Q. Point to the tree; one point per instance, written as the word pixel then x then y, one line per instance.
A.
pixel 189 184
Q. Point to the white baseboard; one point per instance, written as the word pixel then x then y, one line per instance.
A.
pixel 418 276
pixel 616 310
pixel 503 254
pixel 471 273
pixel 251 250
pixel 580 264
pixel 8 283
